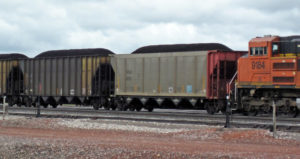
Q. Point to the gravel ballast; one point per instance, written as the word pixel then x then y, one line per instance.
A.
pixel 22 137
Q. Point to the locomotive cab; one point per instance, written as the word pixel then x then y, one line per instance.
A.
pixel 258 59
pixel 273 62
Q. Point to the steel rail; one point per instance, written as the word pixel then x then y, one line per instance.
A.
pixel 167 114
pixel 284 124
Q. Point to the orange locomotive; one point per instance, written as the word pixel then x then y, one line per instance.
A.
pixel 271 70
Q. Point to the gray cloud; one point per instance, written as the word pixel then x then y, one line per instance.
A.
pixel 124 25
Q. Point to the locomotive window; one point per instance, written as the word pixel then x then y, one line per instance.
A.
pixel 252 51
pixel 265 51
pixel 275 49
pixel 258 51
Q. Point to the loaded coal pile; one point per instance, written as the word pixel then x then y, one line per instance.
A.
pixel 12 56
pixel 181 48
pixel 75 52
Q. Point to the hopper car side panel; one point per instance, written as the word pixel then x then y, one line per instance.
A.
pixel 168 74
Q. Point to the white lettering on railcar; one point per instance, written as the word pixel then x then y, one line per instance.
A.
pixel 72 92
pixel 83 90
pixel 171 89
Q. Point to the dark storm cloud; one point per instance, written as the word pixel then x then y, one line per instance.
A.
pixel 124 25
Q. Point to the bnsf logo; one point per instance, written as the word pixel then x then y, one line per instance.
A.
pixel 257 65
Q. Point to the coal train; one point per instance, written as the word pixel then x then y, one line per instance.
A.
pixel 202 76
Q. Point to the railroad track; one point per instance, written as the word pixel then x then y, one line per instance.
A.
pixel 166 116
pixel 158 112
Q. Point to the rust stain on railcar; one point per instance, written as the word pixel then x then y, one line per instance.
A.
pixel 90 66
pixel 83 76
pixel 89 75
pixel 5 68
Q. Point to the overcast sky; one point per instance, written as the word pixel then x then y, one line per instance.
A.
pixel 34 26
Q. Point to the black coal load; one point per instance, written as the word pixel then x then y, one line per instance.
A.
pixel 13 56
pixel 75 52
pixel 181 48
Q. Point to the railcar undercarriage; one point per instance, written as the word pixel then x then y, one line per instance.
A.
pixel 254 101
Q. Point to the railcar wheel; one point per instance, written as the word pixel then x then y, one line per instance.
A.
pixel 106 107
pixel 28 104
pixel 45 105
pixel 253 113
pixel 293 113
pixel 113 107
pixel 9 101
pixel 54 106
pixel 246 109
pixel 125 108
pixel 210 109
pixel 266 108
pixel 138 108
pixel 95 106
pixel 150 109
pixel 223 111
pixel 250 113
pixel 131 108
pixel 285 109
pixel 121 108
pixel 246 113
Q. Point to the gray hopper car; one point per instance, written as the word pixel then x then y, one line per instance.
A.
pixel 153 77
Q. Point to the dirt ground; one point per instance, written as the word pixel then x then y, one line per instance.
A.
pixel 22 137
